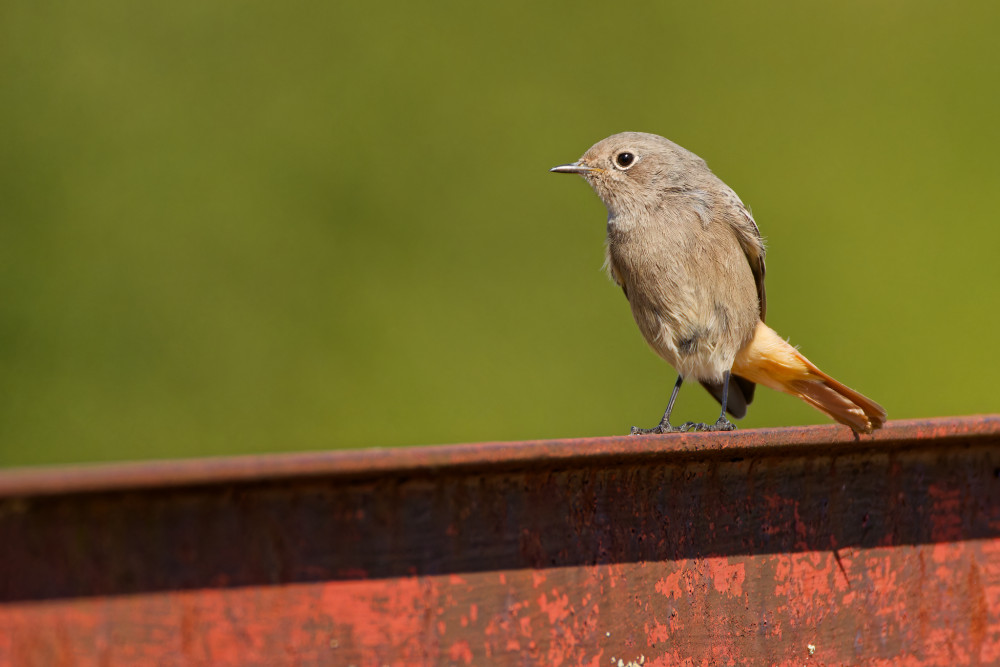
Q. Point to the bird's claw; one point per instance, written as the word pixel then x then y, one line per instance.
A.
pixel 722 424
pixel 661 428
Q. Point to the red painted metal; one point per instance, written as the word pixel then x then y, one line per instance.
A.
pixel 771 547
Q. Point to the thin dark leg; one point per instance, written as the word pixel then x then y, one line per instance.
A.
pixel 723 424
pixel 725 394
pixel 673 397
pixel 664 425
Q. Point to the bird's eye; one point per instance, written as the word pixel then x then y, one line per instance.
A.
pixel 624 159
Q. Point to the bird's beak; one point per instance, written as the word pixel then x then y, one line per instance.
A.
pixel 574 168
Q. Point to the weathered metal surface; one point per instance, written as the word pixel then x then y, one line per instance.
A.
pixel 771 547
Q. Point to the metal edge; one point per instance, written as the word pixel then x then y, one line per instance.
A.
pixel 487 457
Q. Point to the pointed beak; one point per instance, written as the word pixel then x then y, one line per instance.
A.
pixel 574 168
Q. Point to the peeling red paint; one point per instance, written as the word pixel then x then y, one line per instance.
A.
pixel 461 651
pixel 726 577
pixel 791 547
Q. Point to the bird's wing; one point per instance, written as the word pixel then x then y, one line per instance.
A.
pixel 753 245
pixel 609 266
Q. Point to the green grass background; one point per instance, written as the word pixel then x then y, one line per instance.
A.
pixel 236 227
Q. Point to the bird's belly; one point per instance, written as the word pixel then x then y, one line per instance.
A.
pixel 695 312
pixel 699 349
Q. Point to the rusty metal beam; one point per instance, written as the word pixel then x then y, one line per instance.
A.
pixel 783 546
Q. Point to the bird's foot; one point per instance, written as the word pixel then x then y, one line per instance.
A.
pixel 694 427
pixel 662 427
pixel 722 424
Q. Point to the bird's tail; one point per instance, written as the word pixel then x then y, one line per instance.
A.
pixel 768 360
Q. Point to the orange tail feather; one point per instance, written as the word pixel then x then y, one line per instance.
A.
pixel 768 360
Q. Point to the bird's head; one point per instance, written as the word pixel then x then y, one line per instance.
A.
pixel 632 171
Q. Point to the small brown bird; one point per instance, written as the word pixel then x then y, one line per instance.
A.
pixel 690 259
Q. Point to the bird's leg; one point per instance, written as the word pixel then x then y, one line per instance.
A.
pixel 723 423
pixel 664 425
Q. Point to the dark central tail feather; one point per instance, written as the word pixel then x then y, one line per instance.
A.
pixel 740 394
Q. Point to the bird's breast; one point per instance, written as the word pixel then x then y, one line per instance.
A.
pixel 686 295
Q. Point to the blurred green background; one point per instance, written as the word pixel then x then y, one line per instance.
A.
pixel 244 227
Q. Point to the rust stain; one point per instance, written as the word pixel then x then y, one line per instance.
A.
pixel 978 612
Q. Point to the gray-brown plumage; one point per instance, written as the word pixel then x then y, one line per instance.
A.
pixel 690 259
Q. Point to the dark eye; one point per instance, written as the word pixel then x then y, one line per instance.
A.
pixel 624 159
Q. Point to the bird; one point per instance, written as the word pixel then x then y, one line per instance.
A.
pixel 689 257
